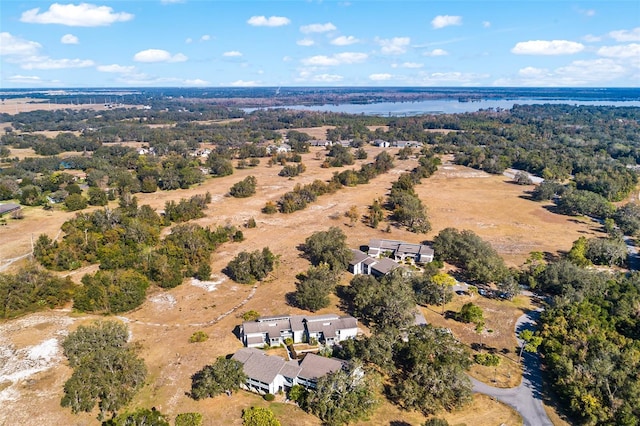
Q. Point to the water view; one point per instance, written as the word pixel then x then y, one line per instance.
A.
pixel 443 106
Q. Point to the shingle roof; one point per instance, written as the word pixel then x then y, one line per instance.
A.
pixel 262 367
pixel 358 257
pixel 385 265
pixel 315 366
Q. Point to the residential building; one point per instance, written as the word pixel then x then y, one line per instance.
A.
pixel 400 251
pixel 272 374
pixel 272 331
pixel 367 265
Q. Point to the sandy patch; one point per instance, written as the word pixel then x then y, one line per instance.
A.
pixel 208 285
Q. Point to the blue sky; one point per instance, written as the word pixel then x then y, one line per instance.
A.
pixel 209 43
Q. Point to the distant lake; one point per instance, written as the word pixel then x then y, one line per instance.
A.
pixel 441 106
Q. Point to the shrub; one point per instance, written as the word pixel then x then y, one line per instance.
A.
pixel 198 337
pixel 189 419
pixel 489 360
pixel 269 397
pixel 250 315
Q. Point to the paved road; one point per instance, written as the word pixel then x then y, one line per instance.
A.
pixel 526 398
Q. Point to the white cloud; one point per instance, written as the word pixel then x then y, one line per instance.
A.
pixel 442 21
pixel 587 12
pixel 627 51
pixel 242 83
pixel 205 37
pixel 158 55
pixel 453 77
pixel 12 45
pixel 380 77
pixel 393 46
pixel 486 24
pixel 197 82
pixel 232 53
pixel 115 68
pixel 344 40
pixel 27 79
pixel 590 38
pixel 69 39
pixel 82 15
pixel 407 65
pixel 436 52
pixel 547 47
pixel 189 40
pixel 271 21
pixel 532 72
pixel 626 35
pixel 56 64
pixel 317 28
pixel 577 73
pixel 327 78
pixel 337 59
pixel 305 42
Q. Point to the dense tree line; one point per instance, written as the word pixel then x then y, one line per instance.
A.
pixel 31 289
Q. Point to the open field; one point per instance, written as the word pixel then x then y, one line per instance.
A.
pixel 31 385
pixel 18 105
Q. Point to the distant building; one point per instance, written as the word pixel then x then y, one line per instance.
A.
pixel 326 329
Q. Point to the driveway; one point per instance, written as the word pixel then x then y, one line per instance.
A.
pixel 526 398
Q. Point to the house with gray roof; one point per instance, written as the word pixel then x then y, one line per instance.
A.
pixel 272 331
pixel 362 263
pixel 400 250
pixel 272 374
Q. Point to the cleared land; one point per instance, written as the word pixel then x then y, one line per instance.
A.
pixel 456 196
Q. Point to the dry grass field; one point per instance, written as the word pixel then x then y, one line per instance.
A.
pixel 31 383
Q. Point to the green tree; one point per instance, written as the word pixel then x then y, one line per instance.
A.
pixel 140 417
pixel 111 291
pixel 387 304
pixel 627 218
pixel 75 202
pixel 314 286
pixel 430 373
pixel 343 397
pixel 328 247
pixel 97 197
pixel 106 370
pixel 245 188
pixel 470 313
pixel 189 419
pixel 530 342
pixel 219 166
pixel 247 267
pixel 225 375
pixel 259 416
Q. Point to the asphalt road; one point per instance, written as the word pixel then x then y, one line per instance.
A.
pixel 526 398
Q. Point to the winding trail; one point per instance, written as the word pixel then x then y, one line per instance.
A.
pixel 526 398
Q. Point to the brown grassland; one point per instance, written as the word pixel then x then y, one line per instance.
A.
pixel 456 196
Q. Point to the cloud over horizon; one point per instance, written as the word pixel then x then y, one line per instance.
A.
pixel 82 15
